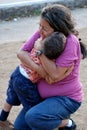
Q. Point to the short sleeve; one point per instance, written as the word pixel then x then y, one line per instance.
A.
pixel 70 54
pixel 30 42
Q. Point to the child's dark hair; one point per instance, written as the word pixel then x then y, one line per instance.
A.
pixel 60 19
pixel 54 45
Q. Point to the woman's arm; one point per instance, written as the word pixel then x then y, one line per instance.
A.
pixel 24 57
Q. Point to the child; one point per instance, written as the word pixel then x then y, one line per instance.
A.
pixel 22 78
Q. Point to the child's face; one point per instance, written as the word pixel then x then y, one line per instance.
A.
pixel 44 28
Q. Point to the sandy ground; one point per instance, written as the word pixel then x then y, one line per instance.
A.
pixel 8 62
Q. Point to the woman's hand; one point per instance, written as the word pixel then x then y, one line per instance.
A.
pixel 67 73
pixel 69 70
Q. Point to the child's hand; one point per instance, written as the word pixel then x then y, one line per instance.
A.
pixel 38 45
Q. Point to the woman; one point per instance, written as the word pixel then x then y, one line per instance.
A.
pixel 62 97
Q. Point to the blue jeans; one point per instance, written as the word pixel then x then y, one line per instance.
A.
pixel 47 115
pixel 22 90
pixel 20 123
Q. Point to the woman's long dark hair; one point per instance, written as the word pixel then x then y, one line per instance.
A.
pixel 83 49
pixel 60 19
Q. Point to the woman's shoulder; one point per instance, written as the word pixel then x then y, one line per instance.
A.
pixel 37 34
pixel 72 40
pixel 72 37
pixel 29 44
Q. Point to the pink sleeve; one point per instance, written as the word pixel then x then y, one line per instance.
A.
pixel 30 42
pixel 71 53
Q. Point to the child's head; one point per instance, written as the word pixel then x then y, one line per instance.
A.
pixel 54 45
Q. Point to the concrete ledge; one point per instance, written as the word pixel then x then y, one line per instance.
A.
pixel 24 9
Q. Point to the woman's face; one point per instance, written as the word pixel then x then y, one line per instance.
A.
pixel 44 28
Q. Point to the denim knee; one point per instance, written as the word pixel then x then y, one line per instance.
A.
pixel 29 118
pixel 38 122
pixel 33 120
pixel 20 123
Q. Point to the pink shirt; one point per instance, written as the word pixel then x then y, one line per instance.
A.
pixel 71 85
